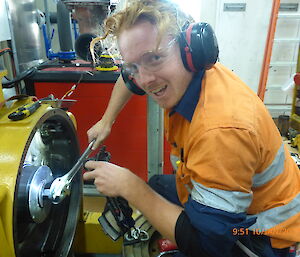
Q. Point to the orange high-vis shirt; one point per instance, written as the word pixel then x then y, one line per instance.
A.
pixel 233 158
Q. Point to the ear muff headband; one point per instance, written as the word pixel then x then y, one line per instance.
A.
pixel 131 85
pixel 188 50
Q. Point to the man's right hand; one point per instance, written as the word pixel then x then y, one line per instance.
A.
pixel 100 131
pixel 119 97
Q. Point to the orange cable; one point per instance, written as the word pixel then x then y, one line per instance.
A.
pixel 4 49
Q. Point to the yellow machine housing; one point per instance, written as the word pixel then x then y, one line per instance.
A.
pixel 33 152
pixel 29 224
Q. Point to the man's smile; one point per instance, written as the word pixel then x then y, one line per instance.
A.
pixel 159 91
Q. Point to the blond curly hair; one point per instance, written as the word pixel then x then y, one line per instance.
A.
pixel 162 13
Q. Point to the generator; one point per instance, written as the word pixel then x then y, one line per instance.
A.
pixel 39 144
pixel 34 150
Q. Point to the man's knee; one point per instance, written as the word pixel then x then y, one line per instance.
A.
pixel 187 238
pixel 154 182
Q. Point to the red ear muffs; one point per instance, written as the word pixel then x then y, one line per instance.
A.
pixel 198 47
pixel 199 51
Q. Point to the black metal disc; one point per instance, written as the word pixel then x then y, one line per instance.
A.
pixel 52 233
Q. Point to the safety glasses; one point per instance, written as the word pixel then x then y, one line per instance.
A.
pixel 151 61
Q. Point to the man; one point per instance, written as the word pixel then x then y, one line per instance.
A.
pixel 237 189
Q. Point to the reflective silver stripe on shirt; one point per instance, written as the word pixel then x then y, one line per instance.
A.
pixel 174 159
pixel 274 169
pixel 230 201
pixel 272 217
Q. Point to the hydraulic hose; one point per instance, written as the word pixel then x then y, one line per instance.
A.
pixel 23 75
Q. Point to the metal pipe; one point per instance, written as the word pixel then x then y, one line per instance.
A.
pixel 25 32
pixel 64 27
pixel 47 14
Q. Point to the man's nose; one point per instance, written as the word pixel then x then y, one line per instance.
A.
pixel 145 77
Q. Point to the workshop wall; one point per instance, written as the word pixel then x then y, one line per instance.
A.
pixel 242 27
pixel 242 40
pixel 5 31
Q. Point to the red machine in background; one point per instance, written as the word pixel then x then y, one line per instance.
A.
pixel 127 142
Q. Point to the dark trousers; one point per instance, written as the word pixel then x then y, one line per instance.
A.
pixel 165 185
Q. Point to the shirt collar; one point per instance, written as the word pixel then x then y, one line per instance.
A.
pixel 187 104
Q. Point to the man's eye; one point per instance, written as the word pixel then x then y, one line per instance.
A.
pixel 130 69
pixel 154 59
pixel 157 58
pixel 134 68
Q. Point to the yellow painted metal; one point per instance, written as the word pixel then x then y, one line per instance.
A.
pixel 13 137
pixel 73 119
pixel 90 238
pixel 6 249
pixel 295 142
pixel 2 74
pixel 295 118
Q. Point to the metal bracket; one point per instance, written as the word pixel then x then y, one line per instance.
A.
pixel 235 7
pixel 288 7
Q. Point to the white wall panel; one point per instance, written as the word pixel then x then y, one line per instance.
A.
pixel 242 41
pixel 208 12
pixel 4 30
pixel 242 38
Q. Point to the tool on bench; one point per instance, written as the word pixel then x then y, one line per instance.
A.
pixel 24 111
pixel 27 109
